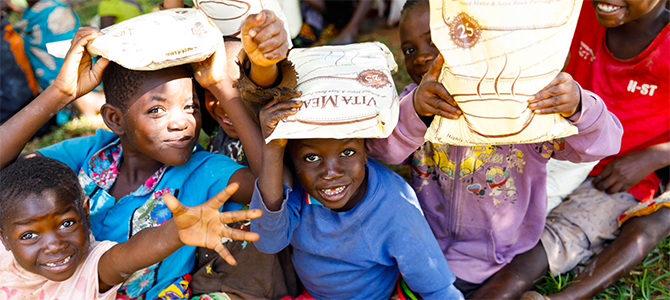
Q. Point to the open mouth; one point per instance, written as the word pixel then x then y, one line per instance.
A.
pixel 608 8
pixel 333 194
pixel 59 265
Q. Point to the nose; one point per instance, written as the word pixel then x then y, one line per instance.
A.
pixel 333 170
pixel 54 244
pixel 424 57
pixel 179 121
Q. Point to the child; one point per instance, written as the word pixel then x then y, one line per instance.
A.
pixel 485 204
pixel 353 223
pixel 156 121
pixel 620 52
pixel 44 223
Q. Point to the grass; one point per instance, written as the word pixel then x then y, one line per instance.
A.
pixel 649 280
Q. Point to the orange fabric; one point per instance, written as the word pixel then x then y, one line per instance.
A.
pixel 16 45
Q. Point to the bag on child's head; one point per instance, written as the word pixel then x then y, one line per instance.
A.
pixel 228 15
pixel 497 55
pixel 347 92
pixel 155 40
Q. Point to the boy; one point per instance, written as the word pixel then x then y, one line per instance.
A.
pixel 48 252
pixel 620 51
pixel 485 204
pixel 353 223
pixel 156 121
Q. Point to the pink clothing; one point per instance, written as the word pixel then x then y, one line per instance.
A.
pixel 636 90
pixel 19 284
pixel 487 204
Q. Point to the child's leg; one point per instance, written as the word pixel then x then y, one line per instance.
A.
pixel 516 277
pixel 637 238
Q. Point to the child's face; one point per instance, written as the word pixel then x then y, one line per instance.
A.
pixel 164 123
pixel 613 13
pixel 47 234
pixel 330 170
pixel 416 42
pixel 220 115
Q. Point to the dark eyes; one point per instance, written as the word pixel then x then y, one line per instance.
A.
pixel 28 236
pixel 347 153
pixel 155 110
pixel 311 158
pixel 66 224
pixel 408 51
pixel 158 109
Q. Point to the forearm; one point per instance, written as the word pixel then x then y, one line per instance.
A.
pixel 144 249
pixel 16 132
pixel 270 180
pixel 659 155
pixel 263 76
pixel 173 4
pixel 252 139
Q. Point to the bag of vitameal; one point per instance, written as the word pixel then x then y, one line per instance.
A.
pixel 155 40
pixel 497 54
pixel 347 92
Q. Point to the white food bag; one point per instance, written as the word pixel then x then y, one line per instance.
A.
pixel 229 15
pixel 348 92
pixel 497 55
pixel 154 41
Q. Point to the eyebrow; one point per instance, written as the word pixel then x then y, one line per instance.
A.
pixel 160 98
pixel 30 221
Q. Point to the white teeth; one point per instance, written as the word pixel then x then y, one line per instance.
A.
pixel 228 122
pixel 607 7
pixel 334 191
pixel 66 260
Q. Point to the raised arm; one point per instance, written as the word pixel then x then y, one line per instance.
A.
pixel 266 42
pixel 77 77
pixel 200 226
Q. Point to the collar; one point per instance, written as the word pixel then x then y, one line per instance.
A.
pixel 103 169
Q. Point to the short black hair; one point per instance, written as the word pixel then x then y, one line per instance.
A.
pixel 32 176
pixel 411 4
pixel 121 84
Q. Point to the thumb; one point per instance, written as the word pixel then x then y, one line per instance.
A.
pixel 435 69
pixel 174 205
pixel 219 199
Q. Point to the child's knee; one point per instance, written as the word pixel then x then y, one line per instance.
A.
pixel 649 228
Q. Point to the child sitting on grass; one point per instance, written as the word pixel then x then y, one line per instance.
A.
pixel 155 119
pixel 354 225
pixel 49 253
pixel 485 204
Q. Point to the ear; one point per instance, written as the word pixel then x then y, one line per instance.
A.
pixel 4 240
pixel 113 118
pixel 87 211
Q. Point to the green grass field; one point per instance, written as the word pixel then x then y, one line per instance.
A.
pixel 649 280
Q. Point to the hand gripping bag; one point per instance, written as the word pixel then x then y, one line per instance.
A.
pixel 497 55
pixel 347 92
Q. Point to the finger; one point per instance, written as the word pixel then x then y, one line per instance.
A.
pixel 448 111
pixel 606 183
pixel 78 45
pixel 219 199
pixel 239 215
pixel 606 172
pixel 559 109
pixel 551 89
pixel 99 67
pixel 276 42
pixel 174 205
pixel 435 69
pixel 237 234
pixel 252 21
pixel 617 187
pixel 225 254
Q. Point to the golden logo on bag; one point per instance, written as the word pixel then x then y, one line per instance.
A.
pixel 373 78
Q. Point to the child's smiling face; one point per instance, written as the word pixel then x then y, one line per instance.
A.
pixel 613 13
pixel 416 43
pixel 47 234
pixel 164 123
pixel 331 170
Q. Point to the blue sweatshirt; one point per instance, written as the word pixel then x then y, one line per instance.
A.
pixel 358 254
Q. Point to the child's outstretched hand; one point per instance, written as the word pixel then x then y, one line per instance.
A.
pixel 213 69
pixel 78 75
pixel 273 112
pixel 204 225
pixel 264 38
pixel 431 98
pixel 561 96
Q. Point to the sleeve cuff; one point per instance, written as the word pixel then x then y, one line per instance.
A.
pixel 592 108
pixel 411 123
pixel 270 218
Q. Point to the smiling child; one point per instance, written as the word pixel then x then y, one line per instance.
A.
pixel 354 225
pixel 44 227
